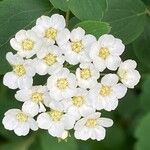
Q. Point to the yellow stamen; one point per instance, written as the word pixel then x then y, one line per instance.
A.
pixel 90 123
pixel 62 83
pixel 37 97
pixel 103 53
pixel 78 101
pixel 55 115
pixel 105 90
pixel 77 46
pixel 21 117
pixel 19 70
pixel 27 45
pixel 51 33
pixel 85 73
pixel 50 59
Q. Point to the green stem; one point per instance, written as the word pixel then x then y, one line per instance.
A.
pixel 148 12
pixel 67 18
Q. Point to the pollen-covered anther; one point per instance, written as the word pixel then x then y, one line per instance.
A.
pixel 56 115
pixel 91 123
pixel 27 45
pixel 85 73
pixel 77 46
pixel 105 90
pixel 62 83
pixel 51 33
pixel 50 59
pixel 103 53
pixel 78 100
pixel 37 97
pixel 21 117
pixel 19 70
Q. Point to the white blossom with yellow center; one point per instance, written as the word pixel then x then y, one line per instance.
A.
pixel 52 29
pixel 77 105
pixel 105 53
pixel 87 75
pixel 49 60
pixel 26 43
pixel 92 127
pixel 35 99
pixel 105 95
pixel 127 73
pixel 21 74
pixel 77 48
pixel 56 121
pixel 62 84
pixel 19 121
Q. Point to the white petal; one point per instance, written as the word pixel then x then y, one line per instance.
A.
pixel 63 36
pixel 33 124
pixel 129 64
pixel 86 110
pixel 22 129
pixel 44 121
pixel 105 122
pixel 30 108
pixel 77 34
pixel 56 130
pixel 41 107
pixel 12 112
pixel 113 62
pixel 11 80
pixel 10 122
pixel 69 122
pixel 109 79
pixel 80 123
pixel 120 90
pixel 25 82
pixel 99 64
pixel 100 132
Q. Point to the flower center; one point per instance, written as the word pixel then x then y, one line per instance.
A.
pixel 51 33
pixel 85 73
pixel 90 123
pixel 105 90
pixel 62 83
pixel 78 100
pixel 77 46
pixel 21 117
pixel 27 45
pixel 56 115
pixel 19 70
pixel 122 74
pixel 50 59
pixel 37 97
pixel 103 53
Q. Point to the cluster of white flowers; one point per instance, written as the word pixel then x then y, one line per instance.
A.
pixel 76 89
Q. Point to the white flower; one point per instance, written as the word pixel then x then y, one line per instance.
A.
pixel 26 43
pixel 52 29
pixel 22 73
pixel 105 95
pixel 19 121
pixel 50 60
pixel 34 99
pixel 77 48
pixel 56 121
pixel 87 75
pixel 77 106
pixel 92 127
pixel 62 85
pixel 127 73
pixel 105 53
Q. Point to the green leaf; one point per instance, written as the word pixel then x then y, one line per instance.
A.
pixel 88 9
pixel 49 142
pixel 142 45
pixel 145 95
pixel 95 28
pixel 127 18
pixel 142 134
pixel 16 15
pixel 60 4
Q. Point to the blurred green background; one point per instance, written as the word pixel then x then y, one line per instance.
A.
pixel 125 19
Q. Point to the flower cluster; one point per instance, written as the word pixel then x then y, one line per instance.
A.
pixel 76 89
